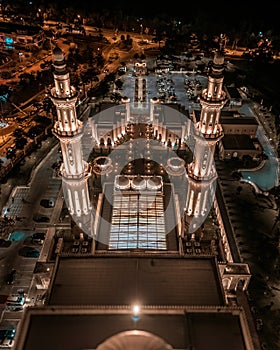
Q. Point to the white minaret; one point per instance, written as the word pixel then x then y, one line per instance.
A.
pixel 201 172
pixel 69 130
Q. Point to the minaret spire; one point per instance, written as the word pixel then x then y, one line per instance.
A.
pixel 69 130
pixel 201 171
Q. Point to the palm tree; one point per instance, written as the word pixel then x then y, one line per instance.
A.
pixel 116 97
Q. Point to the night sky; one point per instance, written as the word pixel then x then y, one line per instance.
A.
pixel 233 13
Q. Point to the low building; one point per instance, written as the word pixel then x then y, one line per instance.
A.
pixel 235 123
pixel 240 135
pixel 20 36
pixel 239 146
pixel 127 301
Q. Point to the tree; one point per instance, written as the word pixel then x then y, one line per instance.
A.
pixel 119 83
pixel 18 133
pixel 43 120
pixel 11 153
pixel 116 97
pixel 34 131
pixel 20 142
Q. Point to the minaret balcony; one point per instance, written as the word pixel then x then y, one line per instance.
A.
pixel 76 177
pixel 202 179
pixel 63 96
pixel 70 133
pixel 214 101
pixel 218 135
pixel 217 73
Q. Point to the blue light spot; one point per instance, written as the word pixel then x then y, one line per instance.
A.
pixel 135 318
pixel 17 236
pixel 9 41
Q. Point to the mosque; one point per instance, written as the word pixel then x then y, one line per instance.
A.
pixel 158 276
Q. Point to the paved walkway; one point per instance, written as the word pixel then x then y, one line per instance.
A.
pixel 253 218
pixel 15 206
pixel 20 176
pixel 16 195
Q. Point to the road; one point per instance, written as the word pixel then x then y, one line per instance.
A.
pixel 43 184
pixel 8 141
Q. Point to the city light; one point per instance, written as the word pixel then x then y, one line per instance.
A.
pixel 135 313
pixel 136 309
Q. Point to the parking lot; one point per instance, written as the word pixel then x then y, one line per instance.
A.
pixel 167 85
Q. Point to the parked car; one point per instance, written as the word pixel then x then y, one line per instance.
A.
pixel 14 308
pixel 11 277
pixel 7 331
pixel 29 252
pixel 32 254
pixel 47 203
pixel 3 300
pixel 7 343
pixel 41 218
pixel 4 243
pixel 38 237
pixel 15 300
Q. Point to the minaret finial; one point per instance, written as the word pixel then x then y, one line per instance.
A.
pixel 58 54
pixel 222 43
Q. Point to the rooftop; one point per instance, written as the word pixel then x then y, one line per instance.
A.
pixel 123 279
pixel 74 329
pixel 238 142
pixel 238 120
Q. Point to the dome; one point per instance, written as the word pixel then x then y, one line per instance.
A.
pixel 102 161
pixel 122 182
pixel 58 54
pixel 136 340
pixel 154 183
pixel 175 163
pixel 219 58
pixel 57 50
pixel 102 165
pixel 139 183
pixel 175 166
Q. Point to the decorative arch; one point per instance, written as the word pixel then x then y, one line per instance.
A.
pixel 136 340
